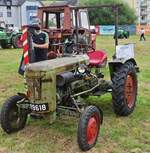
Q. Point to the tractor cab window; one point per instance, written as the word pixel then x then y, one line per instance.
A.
pixel 84 22
pixel 52 23
pixel 53 20
pixel 74 20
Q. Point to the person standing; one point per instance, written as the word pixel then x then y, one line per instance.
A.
pixel 142 36
pixel 40 42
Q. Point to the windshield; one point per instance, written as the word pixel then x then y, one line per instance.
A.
pixel 53 20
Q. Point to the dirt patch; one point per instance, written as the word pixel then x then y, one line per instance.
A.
pixel 146 125
pixel 3 150
pixel 3 89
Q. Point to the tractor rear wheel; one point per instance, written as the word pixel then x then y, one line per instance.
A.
pixel 88 128
pixel 12 118
pixel 16 41
pixel 124 91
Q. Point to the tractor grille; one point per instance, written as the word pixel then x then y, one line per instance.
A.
pixel 34 89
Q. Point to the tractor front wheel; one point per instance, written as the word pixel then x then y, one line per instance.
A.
pixel 12 118
pixel 124 91
pixel 88 128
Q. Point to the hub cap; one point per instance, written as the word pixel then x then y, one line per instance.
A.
pixel 130 90
pixel 19 42
pixel 92 130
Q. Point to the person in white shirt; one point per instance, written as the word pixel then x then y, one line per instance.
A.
pixel 142 36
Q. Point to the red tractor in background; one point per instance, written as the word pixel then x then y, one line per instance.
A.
pixel 61 25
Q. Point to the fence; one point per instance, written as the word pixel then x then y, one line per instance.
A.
pixel 146 28
pixel 110 29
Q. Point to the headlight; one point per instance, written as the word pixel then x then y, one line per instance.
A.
pixel 81 69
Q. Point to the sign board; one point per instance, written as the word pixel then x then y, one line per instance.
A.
pixel 125 51
pixel 107 30
pixel 110 29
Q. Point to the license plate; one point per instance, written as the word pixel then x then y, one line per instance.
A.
pixel 39 107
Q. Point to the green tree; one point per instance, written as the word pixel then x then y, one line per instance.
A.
pixel 105 16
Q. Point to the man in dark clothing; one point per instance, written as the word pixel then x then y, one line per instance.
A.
pixel 40 42
pixel 40 47
pixel 142 36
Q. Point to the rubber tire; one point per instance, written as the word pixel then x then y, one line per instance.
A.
pixel 120 105
pixel 6 108
pixel 14 41
pixel 5 46
pixel 82 127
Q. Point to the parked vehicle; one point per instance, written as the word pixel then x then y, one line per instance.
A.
pixel 122 33
pixel 9 37
pixel 54 86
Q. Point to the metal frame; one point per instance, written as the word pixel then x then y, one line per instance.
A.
pixel 115 10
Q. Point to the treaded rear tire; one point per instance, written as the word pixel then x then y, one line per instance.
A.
pixel 6 117
pixel 82 135
pixel 124 106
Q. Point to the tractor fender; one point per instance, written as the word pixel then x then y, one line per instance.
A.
pixel 115 64
pixel 23 95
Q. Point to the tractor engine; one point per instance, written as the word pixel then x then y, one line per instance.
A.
pixel 75 82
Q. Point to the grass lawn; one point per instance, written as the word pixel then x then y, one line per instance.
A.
pixel 118 134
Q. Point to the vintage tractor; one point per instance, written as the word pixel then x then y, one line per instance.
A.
pixel 9 37
pixel 54 86
pixel 122 33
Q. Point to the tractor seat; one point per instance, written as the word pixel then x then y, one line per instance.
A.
pixel 97 58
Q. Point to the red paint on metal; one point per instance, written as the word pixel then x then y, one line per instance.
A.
pixel 67 19
pixel 92 129
pixel 130 90
pixel 97 57
pixel 19 42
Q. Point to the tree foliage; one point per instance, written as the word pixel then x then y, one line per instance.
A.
pixel 105 16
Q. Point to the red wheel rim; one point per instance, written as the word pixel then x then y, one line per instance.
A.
pixel 19 42
pixel 130 88
pixel 92 129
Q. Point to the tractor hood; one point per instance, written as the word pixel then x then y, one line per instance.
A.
pixel 58 65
